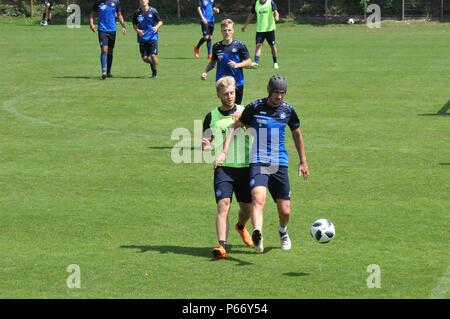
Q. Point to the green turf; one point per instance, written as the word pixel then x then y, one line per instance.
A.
pixel 86 175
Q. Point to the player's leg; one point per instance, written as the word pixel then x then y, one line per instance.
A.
pixel 280 190
pixel 258 185
pixel 239 94
pixel 273 47
pixel 154 58
pixel 260 37
pixel 244 197
pixel 209 40
pixel 201 41
pixel 109 61
pixel 49 12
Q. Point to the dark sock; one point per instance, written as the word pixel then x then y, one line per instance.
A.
pixel 240 226
pixel 43 16
pixel 200 42
pixel 275 59
pixel 209 46
pixel 256 59
pixel 49 20
pixel 109 62
pixel 223 243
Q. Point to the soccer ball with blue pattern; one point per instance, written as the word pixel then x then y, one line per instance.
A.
pixel 322 230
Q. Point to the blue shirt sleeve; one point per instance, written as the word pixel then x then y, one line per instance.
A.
pixel 294 121
pixel 135 20
pixel 274 6
pixel 243 52
pixel 95 6
pixel 156 16
pixel 118 9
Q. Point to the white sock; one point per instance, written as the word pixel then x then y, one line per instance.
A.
pixel 282 229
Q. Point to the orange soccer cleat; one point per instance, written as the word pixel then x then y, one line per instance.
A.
pixel 209 56
pixel 246 238
pixel 196 53
pixel 219 252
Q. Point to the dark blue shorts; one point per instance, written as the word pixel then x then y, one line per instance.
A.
pixel 207 29
pixel 276 180
pixel 228 180
pixel 269 36
pixel 107 38
pixel 148 48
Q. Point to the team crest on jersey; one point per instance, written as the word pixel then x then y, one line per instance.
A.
pixel 283 116
pixel 102 6
pixel 112 4
pixel 205 2
pixel 150 15
pixel 234 50
pixel 140 18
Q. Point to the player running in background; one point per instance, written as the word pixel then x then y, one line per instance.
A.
pixel 106 10
pixel 268 118
pixel 232 176
pixel 146 23
pixel 230 56
pixel 206 10
pixel 47 12
pixel 266 15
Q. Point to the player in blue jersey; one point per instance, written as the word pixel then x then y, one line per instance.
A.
pixel 206 10
pixel 47 12
pixel 107 11
pixel 267 119
pixel 146 23
pixel 230 56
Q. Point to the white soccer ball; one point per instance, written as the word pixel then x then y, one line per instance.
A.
pixel 351 21
pixel 322 230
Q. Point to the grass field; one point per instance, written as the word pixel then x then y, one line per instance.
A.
pixel 86 175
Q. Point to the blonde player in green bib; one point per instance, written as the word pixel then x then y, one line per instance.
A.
pixel 233 175
pixel 267 15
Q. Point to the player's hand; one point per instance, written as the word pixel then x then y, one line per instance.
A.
pixel 236 116
pixel 243 28
pixel 155 29
pixel 206 144
pixel 203 76
pixel 92 27
pixel 232 65
pixel 204 21
pixel 303 170
pixel 216 10
pixel 124 31
pixel 140 32
pixel 219 159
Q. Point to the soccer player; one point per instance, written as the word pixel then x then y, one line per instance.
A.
pixel 232 176
pixel 146 23
pixel 268 118
pixel 206 10
pixel 266 15
pixel 47 13
pixel 230 56
pixel 107 11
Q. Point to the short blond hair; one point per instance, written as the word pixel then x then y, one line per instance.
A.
pixel 226 22
pixel 225 82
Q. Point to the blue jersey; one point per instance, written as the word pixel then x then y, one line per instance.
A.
pixel 207 6
pixel 235 51
pixel 146 20
pixel 269 124
pixel 106 10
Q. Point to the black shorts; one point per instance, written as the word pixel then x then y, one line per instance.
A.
pixel 274 178
pixel 269 36
pixel 148 48
pixel 239 94
pixel 107 38
pixel 228 180
pixel 207 29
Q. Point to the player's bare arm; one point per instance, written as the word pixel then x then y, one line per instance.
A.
pixel 249 18
pixel 300 147
pixel 122 23
pixel 222 155
pixel 276 15
pixel 211 65
pixel 244 64
pixel 91 22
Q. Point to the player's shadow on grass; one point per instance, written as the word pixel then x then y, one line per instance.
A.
pixel 445 110
pixel 81 77
pixel 446 164
pixel 296 274
pixel 204 252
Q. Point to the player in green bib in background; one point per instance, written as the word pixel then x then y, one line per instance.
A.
pixel 233 175
pixel 266 16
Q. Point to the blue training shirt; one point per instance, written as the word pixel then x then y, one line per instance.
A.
pixel 269 124
pixel 235 51
pixel 146 20
pixel 106 10
pixel 207 7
